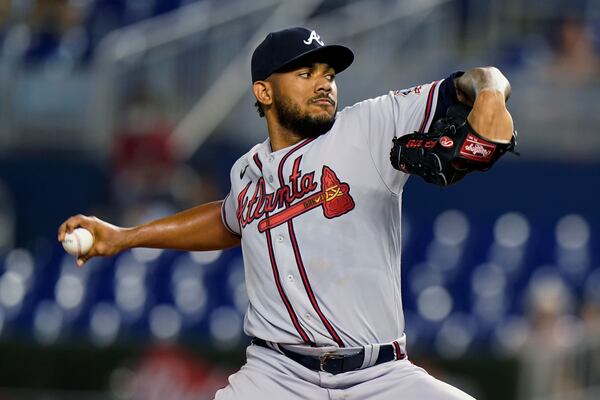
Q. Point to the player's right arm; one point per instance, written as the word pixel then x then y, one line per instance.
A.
pixel 196 229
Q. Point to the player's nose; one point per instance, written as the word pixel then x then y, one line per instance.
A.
pixel 323 84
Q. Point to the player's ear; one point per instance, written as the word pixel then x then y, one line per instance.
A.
pixel 263 92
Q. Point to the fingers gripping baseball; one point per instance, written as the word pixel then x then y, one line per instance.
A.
pixel 107 238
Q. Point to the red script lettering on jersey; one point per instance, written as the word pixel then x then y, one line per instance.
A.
pixel 334 196
pixel 260 202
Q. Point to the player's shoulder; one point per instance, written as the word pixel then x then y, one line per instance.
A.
pixel 399 97
pixel 365 108
pixel 399 94
pixel 357 108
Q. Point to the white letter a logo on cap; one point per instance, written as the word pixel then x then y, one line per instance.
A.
pixel 315 37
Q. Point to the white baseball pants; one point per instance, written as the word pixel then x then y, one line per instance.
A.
pixel 269 374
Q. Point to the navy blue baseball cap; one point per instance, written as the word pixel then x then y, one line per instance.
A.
pixel 282 48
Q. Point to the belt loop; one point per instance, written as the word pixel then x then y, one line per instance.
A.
pixel 374 354
pixel 368 353
pixel 275 346
pixel 399 355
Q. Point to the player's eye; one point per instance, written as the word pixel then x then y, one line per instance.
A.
pixel 305 75
pixel 330 77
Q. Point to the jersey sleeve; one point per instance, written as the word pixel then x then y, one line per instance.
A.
pixel 446 96
pixel 398 113
pixel 228 215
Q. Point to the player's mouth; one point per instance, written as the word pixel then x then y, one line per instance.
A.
pixel 323 101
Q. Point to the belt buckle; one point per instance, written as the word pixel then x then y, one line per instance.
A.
pixel 323 358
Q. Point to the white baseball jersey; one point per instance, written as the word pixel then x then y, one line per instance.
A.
pixel 320 225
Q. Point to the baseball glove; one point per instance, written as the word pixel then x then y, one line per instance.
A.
pixel 450 150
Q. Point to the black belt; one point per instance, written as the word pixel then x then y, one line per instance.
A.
pixel 336 363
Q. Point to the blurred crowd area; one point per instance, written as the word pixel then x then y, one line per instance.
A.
pixel 43 31
pixel 133 110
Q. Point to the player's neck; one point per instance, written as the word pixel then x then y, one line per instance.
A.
pixel 281 137
pixel 281 142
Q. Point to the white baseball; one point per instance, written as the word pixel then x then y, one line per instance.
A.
pixel 78 242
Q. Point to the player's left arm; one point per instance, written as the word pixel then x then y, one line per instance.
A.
pixel 486 90
pixel 465 137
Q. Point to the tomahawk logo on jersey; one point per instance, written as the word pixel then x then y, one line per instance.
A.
pixel 333 196
pixel 317 217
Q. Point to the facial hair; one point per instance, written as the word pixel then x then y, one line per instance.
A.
pixel 302 124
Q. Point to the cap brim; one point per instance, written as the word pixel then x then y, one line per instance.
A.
pixel 338 57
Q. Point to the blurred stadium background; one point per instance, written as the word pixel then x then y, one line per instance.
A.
pixel 134 109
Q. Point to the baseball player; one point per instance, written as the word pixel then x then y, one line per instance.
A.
pixel 316 208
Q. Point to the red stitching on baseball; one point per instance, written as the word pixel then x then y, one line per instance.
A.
pixel 78 243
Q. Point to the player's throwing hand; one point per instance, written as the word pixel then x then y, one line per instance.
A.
pixel 108 239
